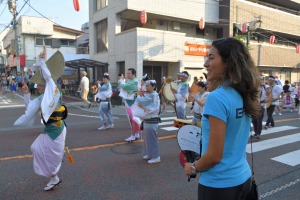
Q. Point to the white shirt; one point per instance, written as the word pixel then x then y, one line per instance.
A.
pixel 84 83
pixel 197 108
pixel 276 91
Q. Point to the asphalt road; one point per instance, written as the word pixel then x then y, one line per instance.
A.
pixel 107 168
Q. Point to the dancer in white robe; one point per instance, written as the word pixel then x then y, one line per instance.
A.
pixel 48 147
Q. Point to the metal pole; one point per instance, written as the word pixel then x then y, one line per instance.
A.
pixel 12 7
pixel 16 43
pixel 248 35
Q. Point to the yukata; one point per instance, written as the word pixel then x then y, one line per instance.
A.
pixel 104 94
pixel 150 102
pixel 127 92
pixel 197 109
pixel 48 147
pixel 181 100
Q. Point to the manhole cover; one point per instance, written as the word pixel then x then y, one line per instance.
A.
pixel 130 148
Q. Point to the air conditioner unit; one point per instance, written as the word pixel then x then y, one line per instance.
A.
pixel 176 26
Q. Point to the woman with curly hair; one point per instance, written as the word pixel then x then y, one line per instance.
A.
pixel 223 167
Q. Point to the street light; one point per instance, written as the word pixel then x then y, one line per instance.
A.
pixel 12 7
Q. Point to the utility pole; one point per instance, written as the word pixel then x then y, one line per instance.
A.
pixel 12 6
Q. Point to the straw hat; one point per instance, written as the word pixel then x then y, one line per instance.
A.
pixel 56 66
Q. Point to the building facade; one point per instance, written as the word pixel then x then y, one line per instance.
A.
pixel 171 40
pixel 278 18
pixel 33 33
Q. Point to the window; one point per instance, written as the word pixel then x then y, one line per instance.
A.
pixel 47 42
pixel 64 42
pixel 101 35
pixel 101 4
pixel 41 41
pixel 71 43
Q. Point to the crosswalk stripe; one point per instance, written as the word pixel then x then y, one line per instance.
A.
pixel 170 128
pixel 291 158
pixel 165 123
pixel 277 129
pixel 170 118
pixel 271 143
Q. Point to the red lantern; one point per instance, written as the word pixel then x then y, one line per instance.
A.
pixel 272 39
pixel 244 28
pixel 143 17
pixel 76 5
pixel 201 23
pixel 298 48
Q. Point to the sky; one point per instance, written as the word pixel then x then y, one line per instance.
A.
pixel 62 11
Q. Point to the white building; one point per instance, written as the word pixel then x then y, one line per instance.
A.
pixel 169 42
pixel 32 33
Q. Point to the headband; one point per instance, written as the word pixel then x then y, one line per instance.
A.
pixel 151 82
pixel 184 74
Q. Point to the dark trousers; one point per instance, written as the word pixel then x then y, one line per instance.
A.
pixel 237 192
pixel 270 119
pixel 257 122
pixel 296 102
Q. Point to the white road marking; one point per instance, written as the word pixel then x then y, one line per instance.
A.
pixel 169 118
pixel 271 143
pixel 291 158
pixel 11 106
pixel 169 128
pixel 278 129
pixel 5 101
pixel 88 116
pixel 166 123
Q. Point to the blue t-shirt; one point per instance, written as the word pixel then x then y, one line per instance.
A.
pixel 226 104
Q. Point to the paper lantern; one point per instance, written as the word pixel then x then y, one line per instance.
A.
pixel 76 5
pixel 143 17
pixel 201 23
pixel 244 28
pixel 272 39
pixel 298 48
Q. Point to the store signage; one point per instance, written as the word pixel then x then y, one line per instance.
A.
pixel 196 49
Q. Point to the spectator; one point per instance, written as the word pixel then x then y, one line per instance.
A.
pixel 225 172
pixel 194 87
pixel 286 86
pixel 288 101
pixel 19 80
pixel 84 88
pixel 4 85
pixel 201 79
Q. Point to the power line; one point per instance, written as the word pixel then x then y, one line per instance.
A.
pixel 26 2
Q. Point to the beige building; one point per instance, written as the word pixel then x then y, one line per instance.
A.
pixel 278 18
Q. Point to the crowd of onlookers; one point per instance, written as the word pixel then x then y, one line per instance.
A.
pixel 289 99
pixel 12 83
